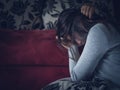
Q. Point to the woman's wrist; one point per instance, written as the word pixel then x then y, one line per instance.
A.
pixel 73 53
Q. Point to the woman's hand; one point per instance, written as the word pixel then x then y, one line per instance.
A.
pixel 64 44
pixel 88 10
pixel 68 45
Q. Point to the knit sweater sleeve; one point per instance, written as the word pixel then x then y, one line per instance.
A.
pixel 94 49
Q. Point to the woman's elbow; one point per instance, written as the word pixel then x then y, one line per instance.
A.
pixel 75 77
pixel 78 77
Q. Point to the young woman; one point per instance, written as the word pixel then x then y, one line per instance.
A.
pixel 98 67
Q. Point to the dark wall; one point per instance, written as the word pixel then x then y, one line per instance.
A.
pixel 117 9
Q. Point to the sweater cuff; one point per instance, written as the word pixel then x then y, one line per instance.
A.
pixel 73 53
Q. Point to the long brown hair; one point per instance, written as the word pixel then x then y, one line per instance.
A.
pixel 72 20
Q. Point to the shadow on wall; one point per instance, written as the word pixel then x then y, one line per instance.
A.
pixel 117 10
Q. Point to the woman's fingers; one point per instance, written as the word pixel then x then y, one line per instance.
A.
pixel 65 46
pixel 87 10
pixel 91 12
pixel 83 9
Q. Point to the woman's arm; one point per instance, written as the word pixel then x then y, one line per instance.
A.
pixel 101 8
pixel 93 51
pixel 73 57
pixel 104 8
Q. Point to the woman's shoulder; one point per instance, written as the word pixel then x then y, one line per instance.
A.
pixel 98 26
pixel 106 28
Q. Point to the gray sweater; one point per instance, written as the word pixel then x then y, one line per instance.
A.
pixel 101 55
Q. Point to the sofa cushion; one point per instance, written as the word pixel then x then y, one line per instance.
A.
pixel 30 60
pixel 37 47
pixel 29 77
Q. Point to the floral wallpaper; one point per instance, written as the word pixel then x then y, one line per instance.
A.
pixel 21 14
pixel 37 14
pixel 54 7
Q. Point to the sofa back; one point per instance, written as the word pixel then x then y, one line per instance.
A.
pixel 30 60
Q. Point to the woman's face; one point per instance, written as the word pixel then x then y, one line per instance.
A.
pixel 78 40
pixel 68 41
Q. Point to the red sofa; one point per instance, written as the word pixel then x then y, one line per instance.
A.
pixel 30 59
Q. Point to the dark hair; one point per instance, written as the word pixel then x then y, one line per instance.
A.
pixel 70 21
